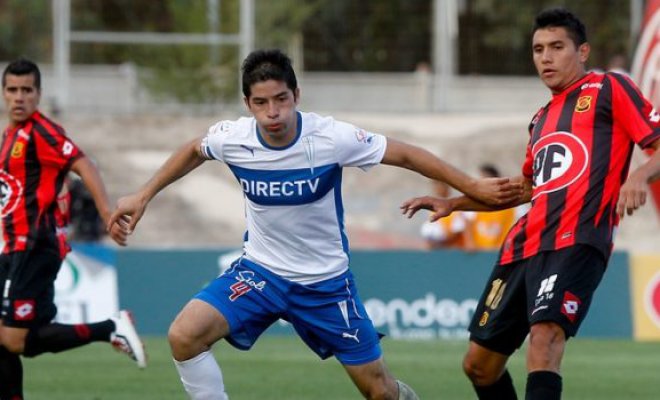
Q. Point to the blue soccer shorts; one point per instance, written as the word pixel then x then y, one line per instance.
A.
pixel 328 315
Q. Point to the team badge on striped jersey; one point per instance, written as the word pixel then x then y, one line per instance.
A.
pixel 18 150
pixel 583 104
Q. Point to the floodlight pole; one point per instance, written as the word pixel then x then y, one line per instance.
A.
pixel 63 36
pixel 445 33
pixel 61 51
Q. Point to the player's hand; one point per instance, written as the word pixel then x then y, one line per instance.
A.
pixel 440 207
pixel 118 234
pixel 126 215
pixel 497 191
pixel 632 195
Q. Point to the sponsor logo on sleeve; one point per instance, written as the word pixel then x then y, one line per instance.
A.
pixel 363 136
pixel 67 148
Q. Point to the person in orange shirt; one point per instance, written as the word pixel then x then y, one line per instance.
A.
pixel 487 230
pixel 447 232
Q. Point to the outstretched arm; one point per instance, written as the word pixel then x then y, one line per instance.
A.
pixel 442 207
pixel 633 193
pixel 130 208
pixel 494 191
pixel 90 176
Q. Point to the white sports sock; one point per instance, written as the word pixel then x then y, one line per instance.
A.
pixel 202 378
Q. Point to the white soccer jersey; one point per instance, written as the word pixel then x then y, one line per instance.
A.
pixel 294 210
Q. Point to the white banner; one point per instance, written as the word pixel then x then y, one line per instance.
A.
pixel 85 290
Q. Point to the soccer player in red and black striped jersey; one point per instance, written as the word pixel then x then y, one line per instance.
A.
pixel 576 177
pixel 35 156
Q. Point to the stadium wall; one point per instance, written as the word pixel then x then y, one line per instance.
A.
pixel 116 90
pixel 408 294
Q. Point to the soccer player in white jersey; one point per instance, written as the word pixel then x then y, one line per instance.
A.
pixel 296 255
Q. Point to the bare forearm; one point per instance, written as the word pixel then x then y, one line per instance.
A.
pixel 423 162
pixel 465 203
pixel 184 160
pixel 651 168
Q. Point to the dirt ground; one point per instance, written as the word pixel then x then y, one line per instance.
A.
pixel 206 208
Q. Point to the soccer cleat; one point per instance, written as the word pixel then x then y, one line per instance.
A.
pixel 406 392
pixel 126 340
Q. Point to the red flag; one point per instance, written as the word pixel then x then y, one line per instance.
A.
pixel 646 68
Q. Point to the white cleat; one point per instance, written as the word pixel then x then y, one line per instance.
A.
pixel 125 338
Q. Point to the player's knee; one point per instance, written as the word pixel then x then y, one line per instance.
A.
pixel 546 338
pixel 14 344
pixel 379 391
pixel 182 343
pixel 477 373
pixel 381 387
pixel 546 334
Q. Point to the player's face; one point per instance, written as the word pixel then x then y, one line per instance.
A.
pixel 273 105
pixel 21 97
pixel 558 62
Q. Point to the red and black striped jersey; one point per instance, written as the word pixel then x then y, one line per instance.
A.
pixel 35 158
pixel 578 156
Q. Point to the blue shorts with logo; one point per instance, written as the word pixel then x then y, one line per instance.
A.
pixel 327 315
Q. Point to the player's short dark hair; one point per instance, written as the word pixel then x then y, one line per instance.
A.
pixel 562 18
pixel 264 65
pixel 489 170
pixel 22 66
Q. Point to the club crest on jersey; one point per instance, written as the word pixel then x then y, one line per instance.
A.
pixel 11 191
pixel 560 158
pixel 18 150
pixel 583 104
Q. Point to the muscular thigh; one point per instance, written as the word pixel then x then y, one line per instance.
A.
pixel 201 321
pixel 249 299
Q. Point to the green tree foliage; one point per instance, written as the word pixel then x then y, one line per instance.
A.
pixel 331 35
pixel 25 29
pixel 368 35
pixel 496 36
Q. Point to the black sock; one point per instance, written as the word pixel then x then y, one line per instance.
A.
pixel 11 375
pixel 501 390
pixel 54 338
pixel 543 385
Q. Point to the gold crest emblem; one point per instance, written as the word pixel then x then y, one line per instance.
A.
pixel 17 150
pixel 583 104
pixel 484 318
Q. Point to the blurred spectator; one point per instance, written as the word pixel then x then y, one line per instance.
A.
pixel 447 232
pixel 487 230
pixel 86 223
pixel 619 64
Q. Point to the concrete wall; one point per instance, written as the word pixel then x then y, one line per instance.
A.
pixel 108 89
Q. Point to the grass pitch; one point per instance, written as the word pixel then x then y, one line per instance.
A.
pixel 283 368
